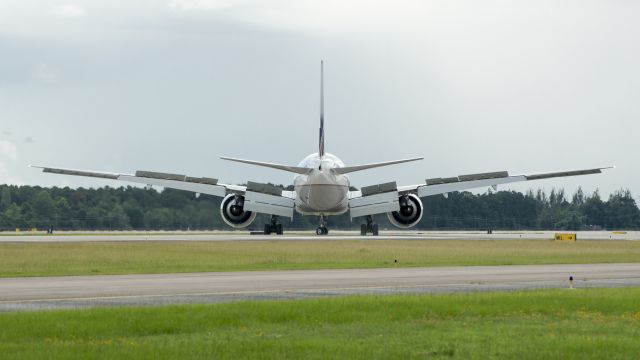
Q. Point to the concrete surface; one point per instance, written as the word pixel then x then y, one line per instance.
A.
pixel 307 235
pixel 33 293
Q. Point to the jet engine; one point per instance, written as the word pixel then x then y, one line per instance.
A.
pixel 233 213
pixel 409 214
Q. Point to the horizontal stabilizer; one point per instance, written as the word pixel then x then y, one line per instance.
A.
pixel 350 169
pixel 293 169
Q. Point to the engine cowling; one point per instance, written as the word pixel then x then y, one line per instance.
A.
pixel 233 213
pixel 409 214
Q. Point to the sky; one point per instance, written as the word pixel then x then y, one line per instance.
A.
pixel 472 86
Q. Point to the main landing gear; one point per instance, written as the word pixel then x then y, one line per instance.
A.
pixel 273 227
pixel 322 229
pixel 369 227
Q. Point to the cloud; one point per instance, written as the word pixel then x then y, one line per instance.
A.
pixel 8 151
pixel 68 10
pixel 46 74
pixel 326 16
pixel 187 5
pixel 8 158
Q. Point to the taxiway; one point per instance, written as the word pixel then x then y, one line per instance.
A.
pixel 33 293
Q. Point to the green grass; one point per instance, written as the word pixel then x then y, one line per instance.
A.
pixel 556 324
pixel 45 259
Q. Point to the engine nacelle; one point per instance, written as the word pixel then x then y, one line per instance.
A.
pixel 409 214
pixel 233 213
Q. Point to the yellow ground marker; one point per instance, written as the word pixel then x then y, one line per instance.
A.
pixel 566 237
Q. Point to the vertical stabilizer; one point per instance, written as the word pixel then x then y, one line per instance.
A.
pixel 321 138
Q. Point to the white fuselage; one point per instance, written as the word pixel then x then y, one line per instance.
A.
pixel 321 191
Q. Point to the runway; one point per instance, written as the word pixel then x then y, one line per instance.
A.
pixel 306 235
pixel 36 293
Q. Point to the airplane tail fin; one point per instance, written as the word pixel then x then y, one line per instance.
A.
pixel 321 137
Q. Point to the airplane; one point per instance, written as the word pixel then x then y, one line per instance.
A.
pixel 321 188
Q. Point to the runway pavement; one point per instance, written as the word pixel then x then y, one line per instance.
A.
pixel 33 293
pixel 307 235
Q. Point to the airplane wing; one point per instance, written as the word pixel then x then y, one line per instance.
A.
pixel 201 185
pixel 437 186
pixel 384 197
pixel 263 198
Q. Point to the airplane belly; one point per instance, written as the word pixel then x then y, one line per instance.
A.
pixel 321 192
pixel 322 198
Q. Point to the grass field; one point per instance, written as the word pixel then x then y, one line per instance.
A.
pixel 44 259
pixel 550 324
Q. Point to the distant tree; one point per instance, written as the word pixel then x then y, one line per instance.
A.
pixel 139 208
pixel 621 211
pixel 11 218
pixel 5 198
pixel 594 210
pixel 43 208
pixel 117 218
pixel 569 220
pixel 578 198
pixel 157 218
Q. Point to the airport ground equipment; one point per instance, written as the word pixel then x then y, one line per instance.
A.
pixel 321 188
pixel 566 237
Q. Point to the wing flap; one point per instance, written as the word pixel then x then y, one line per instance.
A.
pixel 215 190
pixel 268 204
pixel 375 199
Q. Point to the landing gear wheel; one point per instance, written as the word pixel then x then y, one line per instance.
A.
pixel 369 227
pixel 273 227
pixel 321 230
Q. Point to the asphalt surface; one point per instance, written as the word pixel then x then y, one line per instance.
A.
pixel 35 293
pixel 307 235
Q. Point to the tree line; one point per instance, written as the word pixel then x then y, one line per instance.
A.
pixel 134 208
